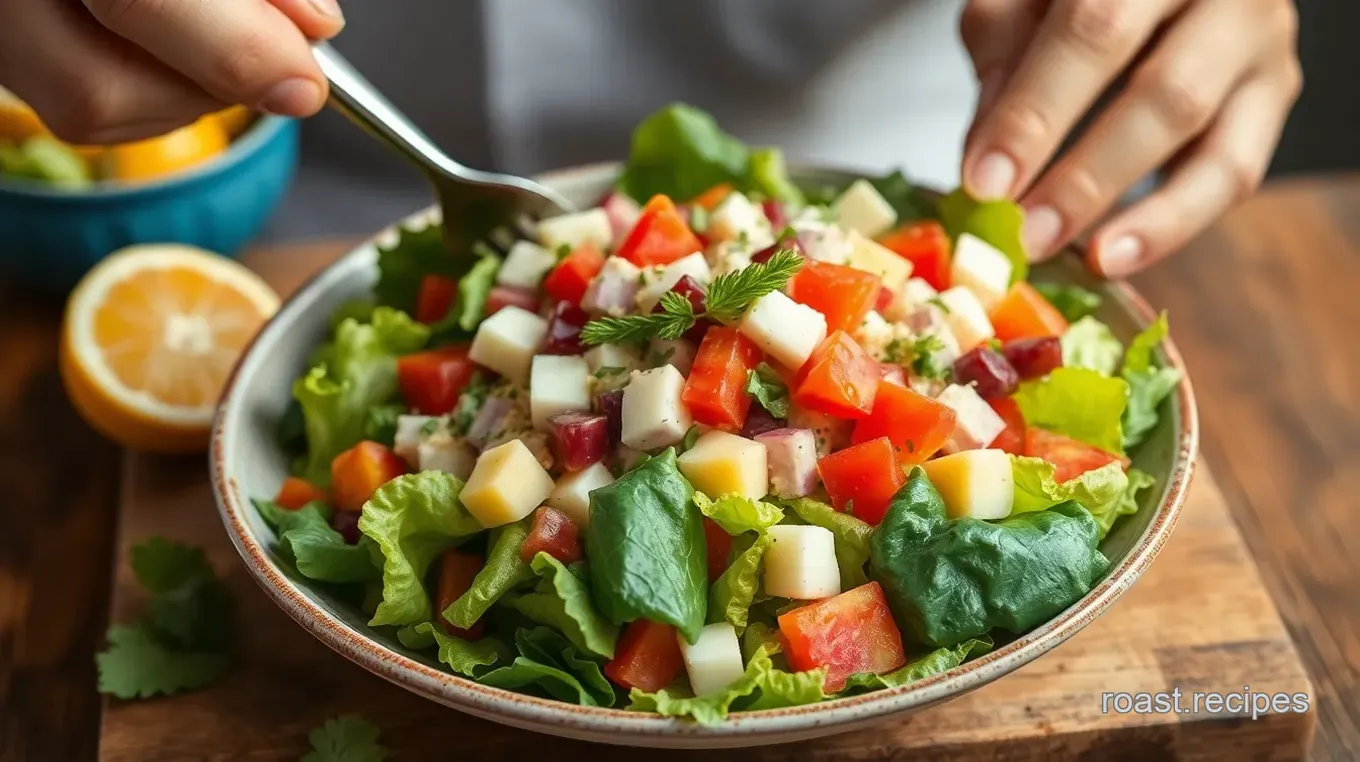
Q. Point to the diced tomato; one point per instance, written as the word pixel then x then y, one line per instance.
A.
pixel 926 246
pixel 359 471
pixel 1025 313
pixel 457 570
pixel 885 299
pixel 505 296
pixel 916 425
pixel 436 296
pixel 719 546
pixel 861 480
pixel 848 634
pixel 1071 458
pixel 839 379
pixel 569 280
pixel 552 533
pixel 296 493
pixel 715 392
pixel 710 198
pixel 647 657
pixel 660 236
pixel 431 381
pixel 844 295
pixel 1012 438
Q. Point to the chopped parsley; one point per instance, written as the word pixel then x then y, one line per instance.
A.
pixel 920 355
pixel 605 371
pixel 429 427
pixel 345 739
pixel 936 301
pixel 469 403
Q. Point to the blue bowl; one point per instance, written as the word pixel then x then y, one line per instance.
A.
pixel 49 238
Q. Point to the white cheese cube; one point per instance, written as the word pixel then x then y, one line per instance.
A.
pixel 801 563
pixel 506 485
pixel 976 424
pixel 784 329
pixel 411 431
pixel 822 241
pixel 507 341
pixel 720 463
pixel 863 209
pixel 571 230
pixel 654 415
pixel 982 269
pixel 612 356
pixel 874 335
pixel 525 265
pixel 557 384
pixel 442 452
pixel 694 265
pixel 914 295
pixel 976 483
pixel 966 317
pixel 572 493
pixel 677 353
pixel 737 217
pixel 614 290
pixel 714 661
pixel 870 256
pixel 729 257
pixel 792 455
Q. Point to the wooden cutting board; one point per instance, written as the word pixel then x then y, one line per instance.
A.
pixel 1198 621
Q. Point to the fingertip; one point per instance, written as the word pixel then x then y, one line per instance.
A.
pixel 316 19
pixel 295 97
pixel 1117 255
pixel 991 176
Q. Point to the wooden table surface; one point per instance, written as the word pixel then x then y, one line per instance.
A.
pixel 1262 308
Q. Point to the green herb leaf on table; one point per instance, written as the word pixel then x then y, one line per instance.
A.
pixel 1074 302
pixel 769 390
pixel 1089 343
pixel 563 601
pixel 933 663
pixel 504 571
pixel 737 514
pixel 1079 403
pixel 1106 492
pixel 997 222
pixel 730 598
pixel 346 739
pixel 188 605
pixel 852 536
pixel 139 664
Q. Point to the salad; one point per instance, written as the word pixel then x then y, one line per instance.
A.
pixel 720 443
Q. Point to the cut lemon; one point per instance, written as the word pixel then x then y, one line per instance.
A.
pixel 149 338
pixel 166 155
pixel 18 122
pixel 235 120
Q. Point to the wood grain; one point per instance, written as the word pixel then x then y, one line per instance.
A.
pixel 1198 620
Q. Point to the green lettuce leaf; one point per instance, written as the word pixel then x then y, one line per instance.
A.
pixel 401 266
pixel 358 309
pixel 769 176
pixel 562 601
pixel 769 390
pixel 760 633
pixel 381 423
pixel 1139 356
pixel 468 309
pixel 760 687
pixel 732 593
pixel 949 580
pixel 464 657
pixel 1079 403
pixel 1074 302
pixel 1148 384
pixel 646 548
pixel 737 514
pixel 1089 343
pixel 1106 492
pixel 413 519
pixel 549 665
pixel 504 571
pixel 852 536
pixel 933 663
pixel 318 551
pixel 997 222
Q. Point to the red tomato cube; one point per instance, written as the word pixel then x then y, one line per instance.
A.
pixel 569 280
pixel 850 634
pixel 435 298
pixel 660 236
pixel 359 471
pixel 862 479
pixel 1012 438
pixel 647 657
pixel 926 246
pixel 1071 458
pixel 839 379
pixel 1025 313
pixel 295 493
pixel 844 295
pixel 431 381
pixel 715 391
pixel 552 533
pixel 457 570
pixel 916 425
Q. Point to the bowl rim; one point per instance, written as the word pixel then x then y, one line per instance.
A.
pixel 262 131
pixel 639 728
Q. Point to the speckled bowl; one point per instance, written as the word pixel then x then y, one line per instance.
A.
pixel 246 462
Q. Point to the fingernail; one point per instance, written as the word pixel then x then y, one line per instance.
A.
pixel 292 97
pixel 1042 226
pixel 993 176
pixel 991 87
pixel 329 9
pixel 1121 256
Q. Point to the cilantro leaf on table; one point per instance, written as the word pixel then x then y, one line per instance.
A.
pixel 189 606
pixel 346 739
pixel 138 664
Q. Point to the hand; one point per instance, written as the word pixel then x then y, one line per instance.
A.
pixel 120 70
pixel 1209 84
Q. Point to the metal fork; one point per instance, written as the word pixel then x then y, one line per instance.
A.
pixel 473 202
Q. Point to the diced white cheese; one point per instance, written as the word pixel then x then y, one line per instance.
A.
pixel 557 384
pixel 976 424
pixel 729 257
pixel 966 317
pixel 623 214
pixel 914 295
pixel 870 256
pixel 792 455
pixel 571 230
pixel 410 433
pixel 614 290
pixel 507 341
pixel 506 485
pixel 863 209
pixel 572 493
pixel 654 415
pixel 801 563
pixel 930 321
pixel 982 269
pixel 714 661
pixel 820 240
pixel 442 452
pixel 720 463
pixel 874 335
pixel 525 265
pixel 677 353
pixel 783 328
pixel 737 217
pixel 975 483
pixel 831 433
pixel 694 265
pixel 612 356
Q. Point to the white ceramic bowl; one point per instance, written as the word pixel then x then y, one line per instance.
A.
pixel 246 462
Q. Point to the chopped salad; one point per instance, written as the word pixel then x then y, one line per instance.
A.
pixel 719 443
